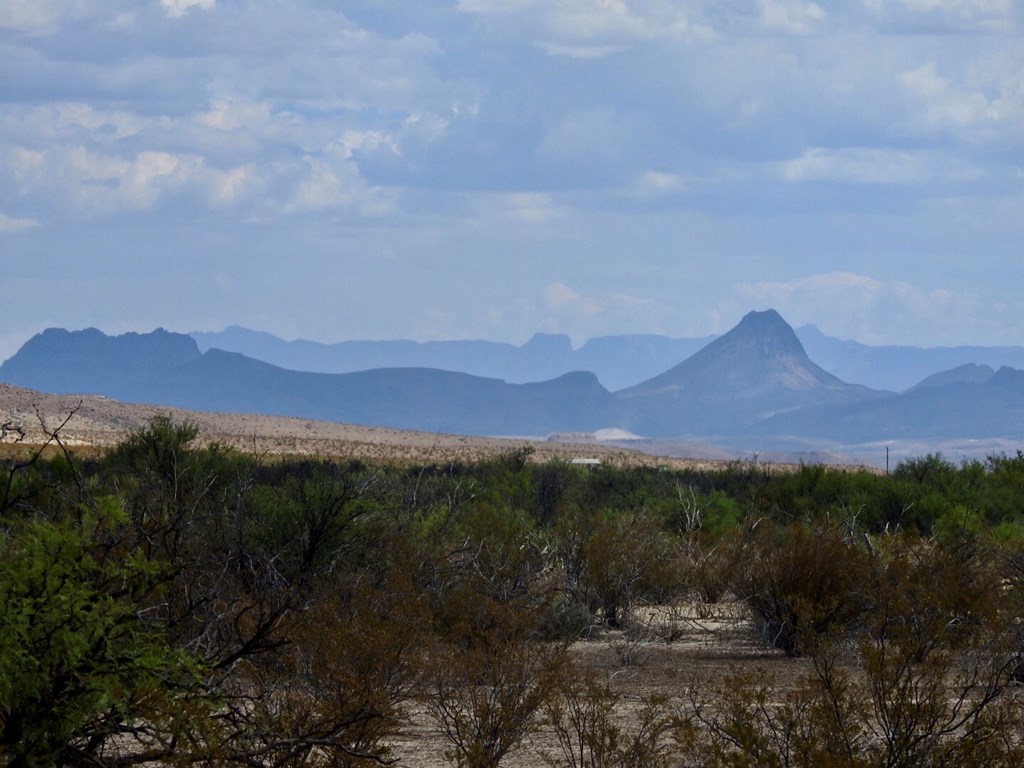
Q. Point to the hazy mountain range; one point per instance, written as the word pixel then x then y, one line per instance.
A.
pixel 755 384
pixel 617 361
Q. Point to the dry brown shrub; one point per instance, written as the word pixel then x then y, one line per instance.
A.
pixel 802 584
pixel 922 675
pixel 485 700
pixel 590 735
pixel 334 696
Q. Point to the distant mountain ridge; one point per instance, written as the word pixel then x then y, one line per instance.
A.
pixel 164 368
pixel 618 362
pixel 755 380
pixel 898 368
pixel 89 361
pixel 959 407
pixel 968 373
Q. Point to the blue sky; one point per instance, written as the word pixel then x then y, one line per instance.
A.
pixel 435 169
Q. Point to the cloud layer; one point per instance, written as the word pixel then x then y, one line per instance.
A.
pixel 483 168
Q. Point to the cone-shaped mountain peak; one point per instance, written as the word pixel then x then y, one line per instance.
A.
pixel 761 352
pixel 757 369
pixel 764 333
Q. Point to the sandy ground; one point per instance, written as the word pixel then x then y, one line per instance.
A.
pixel 101 422
pixel 708 642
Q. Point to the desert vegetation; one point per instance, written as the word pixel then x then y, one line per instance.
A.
pixel 168 602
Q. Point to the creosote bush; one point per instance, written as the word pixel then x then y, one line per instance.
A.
pixel 591 734
pixel 488 687
pixel 802 583
pixel 166 604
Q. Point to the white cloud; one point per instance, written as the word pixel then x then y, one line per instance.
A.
pixel 873 311
pixel 118 123
pixel 560 297
pixel 28 167
pixel 230 114
pixel 535 208
pixel 973 8
pixel 178 8
pixel 793 17
pixel 1000 16
pixel 657 183
pixel 27 15
pixel 74 121
pixel 984 102
pixel 230 186
pixel 945 104
pixel 560 308
pixel 98 183
pixel 321 188
pixel 138 182
pixel 332 181
pixel 498 6
pixel 581 51
pixel 586 316
pixel 352 141
pixel 869 165
pixel 602 26
pixel 11 224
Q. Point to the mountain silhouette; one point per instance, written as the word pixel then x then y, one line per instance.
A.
pixel 617 361
pixel 409 398
pixel 90 362
pixel 898 368
pixel 164 368
pixel 754 381
pixel 969 373
pixel 989 408
pixel 754 371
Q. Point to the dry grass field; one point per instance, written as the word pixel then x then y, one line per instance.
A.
pixel 100 422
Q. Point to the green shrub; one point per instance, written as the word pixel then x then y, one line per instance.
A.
pixel 801 584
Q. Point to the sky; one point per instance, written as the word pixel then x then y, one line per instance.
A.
pixel 445 169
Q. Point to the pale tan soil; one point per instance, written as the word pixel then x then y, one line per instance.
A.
pixel 101 422
pixel 709 642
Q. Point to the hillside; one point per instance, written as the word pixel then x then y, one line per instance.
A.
pixel 900 367
pixel 991 408
pixel 167 369
pixel 101 422
pixel 617 361
pixel 754 371
pixel 754 388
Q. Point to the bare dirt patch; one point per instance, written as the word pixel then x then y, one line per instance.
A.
pixel 707 644
pixel 663 650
